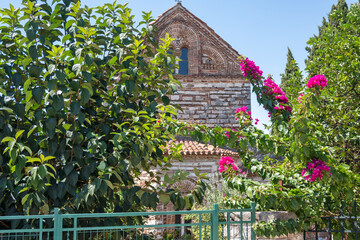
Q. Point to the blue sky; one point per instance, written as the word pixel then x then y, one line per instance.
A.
pixel 259 29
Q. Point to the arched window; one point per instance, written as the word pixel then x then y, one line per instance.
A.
pixel 183 64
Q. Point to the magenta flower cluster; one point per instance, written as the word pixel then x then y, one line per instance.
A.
pixel 243 109
pixel 316 170
pixel 245 120
pixel 299 97
pixel 249 68
pixel 226 163
pixel 278 94
pixel 318 80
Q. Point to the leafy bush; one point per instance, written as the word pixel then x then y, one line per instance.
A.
pixel 84 97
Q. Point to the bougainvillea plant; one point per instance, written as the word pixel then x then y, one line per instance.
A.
pixel 315 170
pixel 322 124
pixel 268 93
pixel 306 178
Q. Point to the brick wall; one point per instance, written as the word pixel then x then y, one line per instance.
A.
pixel 212 100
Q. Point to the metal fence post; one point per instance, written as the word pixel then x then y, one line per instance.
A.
pixel 253 220
pixel 57 225
pixel 215 223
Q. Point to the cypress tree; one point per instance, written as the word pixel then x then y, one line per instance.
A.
pixel 338 13
pixel 291 82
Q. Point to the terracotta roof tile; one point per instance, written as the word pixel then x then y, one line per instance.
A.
pixel 190 147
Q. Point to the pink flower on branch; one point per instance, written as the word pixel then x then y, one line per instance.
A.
pixel 228 164
pixel 300 96
pixel 249 69
pixel 277 94
pixel 267 91
pixel 274 89
pixel 243 115
pixel 228 133
pixel 242 109
pixel 317 81
pixel 316 170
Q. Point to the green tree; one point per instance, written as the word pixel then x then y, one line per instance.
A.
pixel 335 54
pixel 337 15
pixel 335 18
pixel 291 79
pixel 83 110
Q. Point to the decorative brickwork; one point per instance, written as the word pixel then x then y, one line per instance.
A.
pixel 214 86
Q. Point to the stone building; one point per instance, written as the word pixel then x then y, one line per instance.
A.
pixel 213 86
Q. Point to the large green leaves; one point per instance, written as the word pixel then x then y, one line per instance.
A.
pixel 79 121
pixel 37 93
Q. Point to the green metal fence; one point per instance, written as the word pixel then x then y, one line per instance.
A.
pixel 198 225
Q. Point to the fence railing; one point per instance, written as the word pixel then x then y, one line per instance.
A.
pixel 343 226
pixel 202 224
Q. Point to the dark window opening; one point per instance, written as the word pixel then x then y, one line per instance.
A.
pixel 183 64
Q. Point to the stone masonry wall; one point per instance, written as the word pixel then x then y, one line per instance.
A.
pixel 212 100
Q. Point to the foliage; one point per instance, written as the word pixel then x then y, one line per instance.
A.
pixel 336 17
pixel 335 54
pixel 291 79
pixel 322 130
pixel 300 140
pixel 84 105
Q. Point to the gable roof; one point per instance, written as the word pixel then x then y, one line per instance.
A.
pixel 163 18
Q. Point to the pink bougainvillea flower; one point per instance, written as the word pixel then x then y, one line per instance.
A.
pixel 226 163
pixel 288 108
pixel 317 81
pixel 316 170
pixel 280 107
pixel 300 96
pixel 242 109
pixel 275 90
pixel 228 133
pixel 277 94
pixel 249 69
